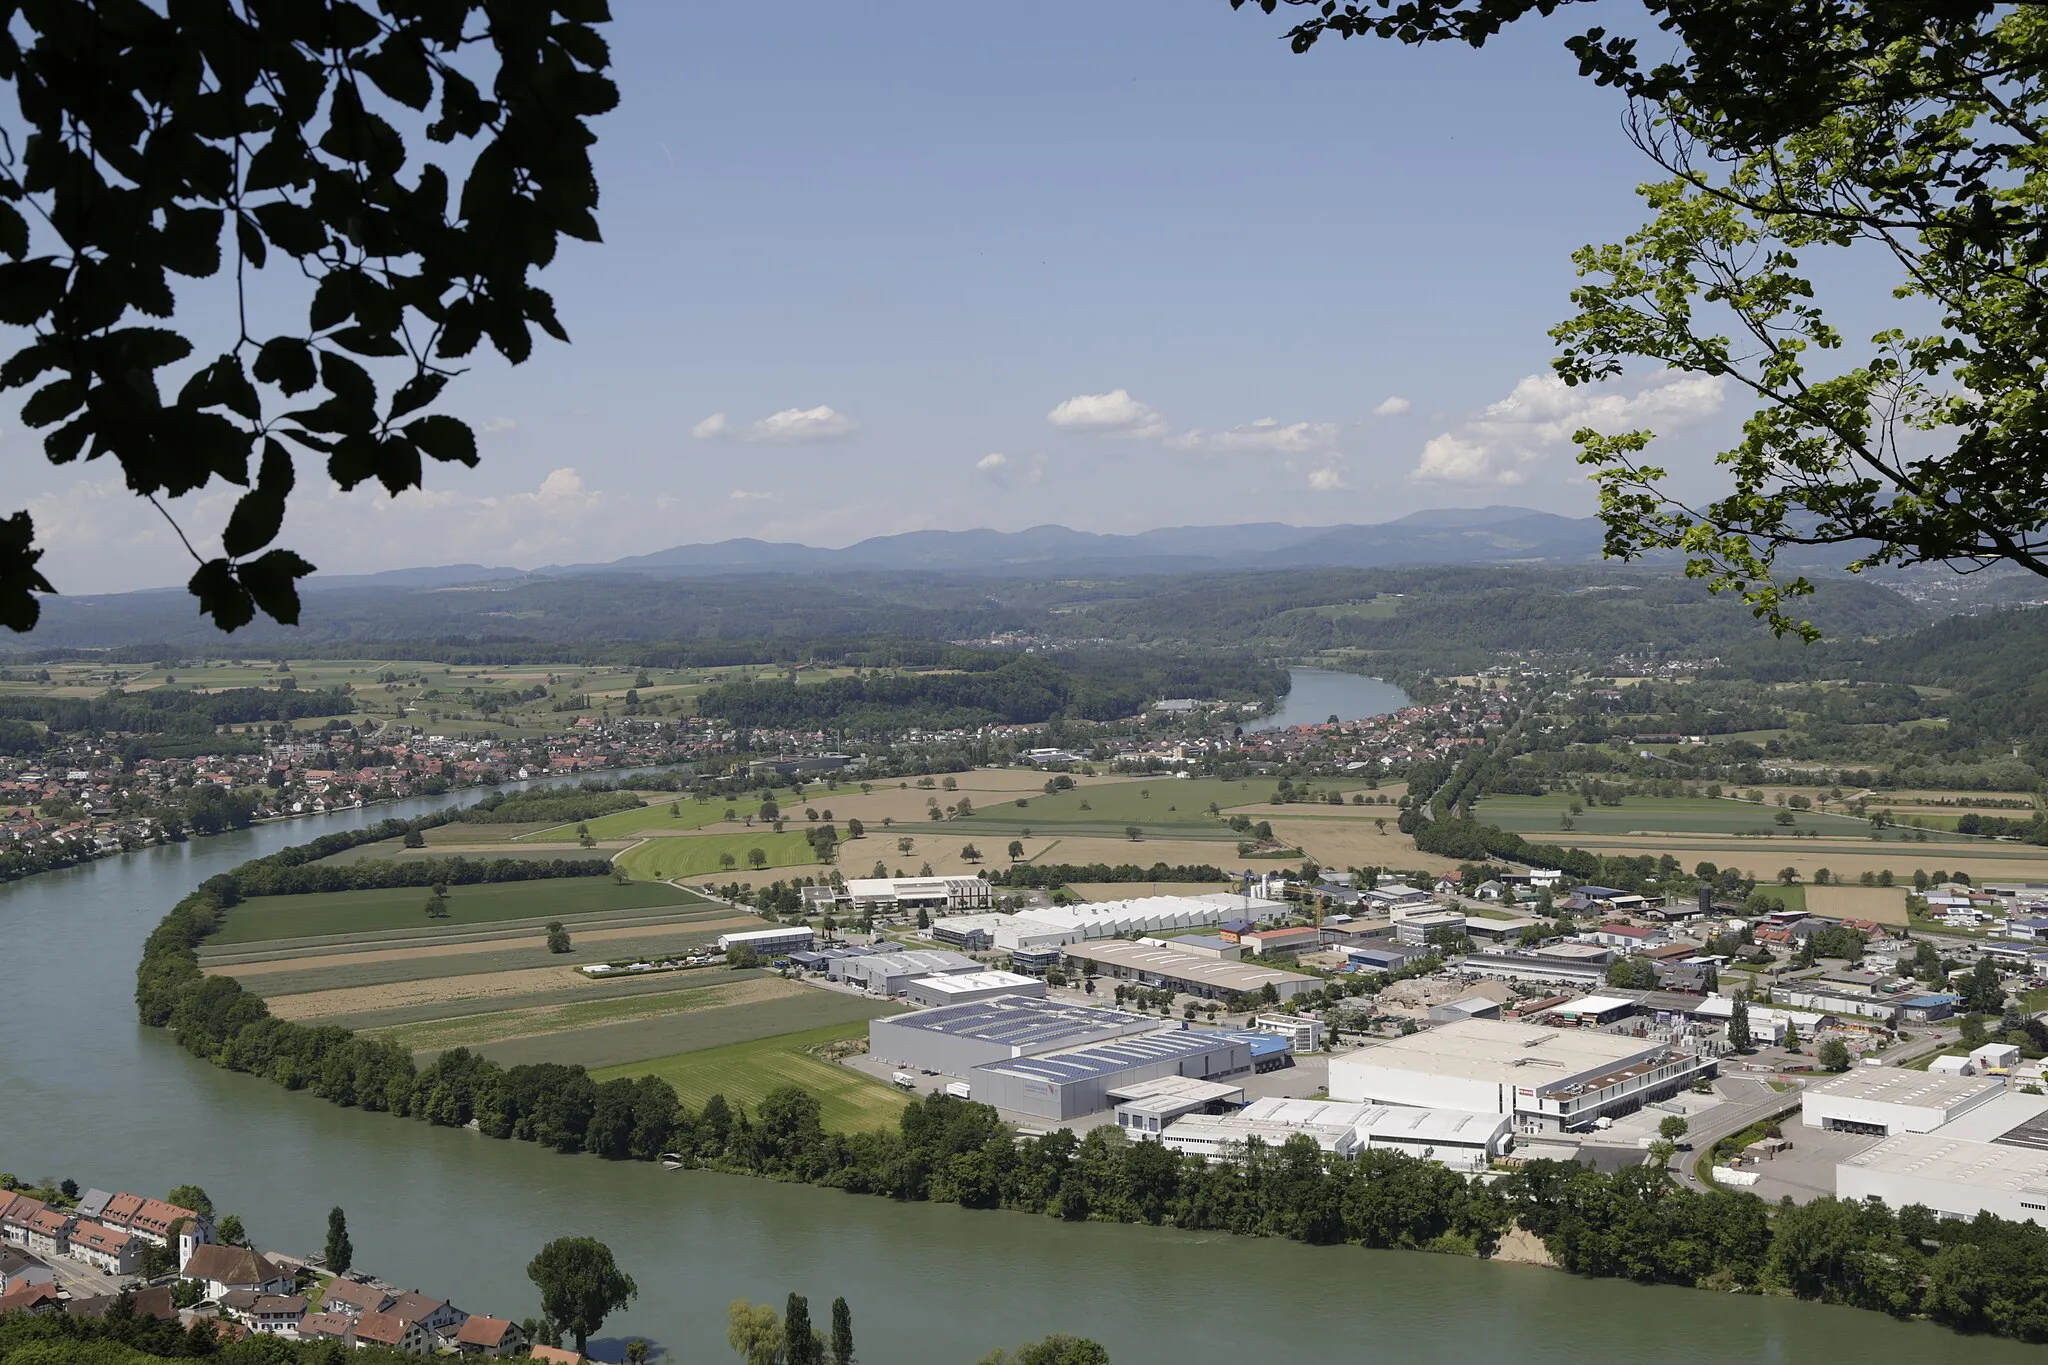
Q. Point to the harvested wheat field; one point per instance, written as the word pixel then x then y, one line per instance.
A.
pixel 480 945
pixel 1984 860
pixel 472 1029
pixel 1354 843
pixel 436 990
pixel 1884 904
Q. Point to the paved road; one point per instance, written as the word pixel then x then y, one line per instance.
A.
pixel 1747 1101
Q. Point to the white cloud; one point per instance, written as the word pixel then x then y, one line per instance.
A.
pixel 1542 412
pixel 1451 459
pixel 1328 479
pixel 1005 472
pixel 1115 413
pixel 1392 407
pixel 1266 434
pixel 787 427
pixel 497 424
pixel 748 495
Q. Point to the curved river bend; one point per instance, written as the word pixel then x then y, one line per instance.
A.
pixel 86 1092
pixel 1319 693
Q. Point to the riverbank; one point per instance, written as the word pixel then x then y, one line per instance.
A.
pixel 1636 1223
pixel 92 1090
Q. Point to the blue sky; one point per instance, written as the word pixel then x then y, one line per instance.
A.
pixel 1251 285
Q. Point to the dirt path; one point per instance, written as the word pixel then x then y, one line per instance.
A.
pixel 482 945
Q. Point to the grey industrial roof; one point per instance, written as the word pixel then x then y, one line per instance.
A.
pixel 1179 966
pixel 1106 1059
pixel 1016 1021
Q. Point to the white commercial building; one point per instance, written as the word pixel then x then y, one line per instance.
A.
pixel 1546 1079
pixel 1460 1139
pixel 1887 1100
pixel 892 973
pixel 968 987
pixel 939 895
pixel 1302 1033
pixel 1059 925
pixel 1992 1159
pixel 1767 1023
pixel 767 940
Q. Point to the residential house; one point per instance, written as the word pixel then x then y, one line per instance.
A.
pixel 153 1219
pixel 109 1250
pixel 393 1333
pixel 18 1267
pixel 220 1270
pixel 49 1231
pixel 482 1336
pixel 33 1299
pixel 555 1355
pixel 438 1316
pixel 277 1314
pixel 1628 936
pixel 355 1298
pixel 339 1327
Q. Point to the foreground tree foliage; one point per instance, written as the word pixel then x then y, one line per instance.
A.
pixel 155 132
pixel 1791 132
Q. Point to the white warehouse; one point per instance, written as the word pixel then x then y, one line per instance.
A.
pixel 1887 1100
pixel 767 940
pixel 1059 925
pixel 1546 1079
pixel 1992 1159
pixel 1461 1140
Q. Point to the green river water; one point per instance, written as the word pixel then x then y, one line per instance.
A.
pixel 85 1092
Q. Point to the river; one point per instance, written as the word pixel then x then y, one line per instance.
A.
pixel 85 1092
pixel 1319 693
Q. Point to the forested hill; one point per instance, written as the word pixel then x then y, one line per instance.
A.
pixel 1012 689
pixel 1996 664
pixel 1418 618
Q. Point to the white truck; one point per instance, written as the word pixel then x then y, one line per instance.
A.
pixel 959 1090
pixel 904 1080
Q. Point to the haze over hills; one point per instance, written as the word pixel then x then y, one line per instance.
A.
pixel 1489 535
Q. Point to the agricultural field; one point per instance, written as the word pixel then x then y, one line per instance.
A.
pixel 745 1072
pixel 795 1009
pixel 702 855
pixel 1162 807
pixel 1884 904
pixel 687 992
pixel 395 851
pixel 1543 819
pixel 343 912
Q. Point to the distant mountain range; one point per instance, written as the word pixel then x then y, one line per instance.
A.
pixel 1485 535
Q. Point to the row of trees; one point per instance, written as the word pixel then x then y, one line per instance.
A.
pixel 1044 876
pixel 366 876
pixel 549 805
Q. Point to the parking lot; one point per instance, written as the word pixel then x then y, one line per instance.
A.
pixel 1807 1170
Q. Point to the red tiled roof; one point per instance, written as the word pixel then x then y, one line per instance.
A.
pixel 382 1328
pixel 482 1331
pixel 28 1298
pixel 355 1294
pixel 112 1241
